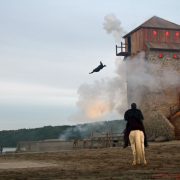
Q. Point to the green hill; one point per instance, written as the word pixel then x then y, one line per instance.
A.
pixel 10 138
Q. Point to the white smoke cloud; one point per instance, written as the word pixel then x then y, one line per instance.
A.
pixel 85 131
pixel 112 25
pixel 144 75
pixel 104 99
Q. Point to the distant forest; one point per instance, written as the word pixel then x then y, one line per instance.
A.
pixel 10 138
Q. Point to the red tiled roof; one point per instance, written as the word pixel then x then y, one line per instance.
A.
pixel 158 23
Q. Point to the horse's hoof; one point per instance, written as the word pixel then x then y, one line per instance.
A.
pixel 133 163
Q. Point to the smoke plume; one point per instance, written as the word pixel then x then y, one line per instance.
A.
pixel 112 25
pixel 85 131
pixel 150 77
pixel 104 99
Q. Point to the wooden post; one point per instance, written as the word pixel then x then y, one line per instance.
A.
pixel 91 139
pixel 121 47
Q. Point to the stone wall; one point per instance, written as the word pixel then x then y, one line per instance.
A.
pixel 44 146
pixel 102 141
pixel 157 104
pixel 157 125
pixel 168 96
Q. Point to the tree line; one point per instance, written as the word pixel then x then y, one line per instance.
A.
pixel 10 138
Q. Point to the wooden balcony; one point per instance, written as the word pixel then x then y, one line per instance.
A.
pixel 122 51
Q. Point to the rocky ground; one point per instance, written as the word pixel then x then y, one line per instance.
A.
pixel 102 164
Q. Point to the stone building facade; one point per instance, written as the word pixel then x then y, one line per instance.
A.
pixel 153 81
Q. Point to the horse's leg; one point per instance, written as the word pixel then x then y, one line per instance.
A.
pixel 133 147
pixel 143 152
pixel 138 146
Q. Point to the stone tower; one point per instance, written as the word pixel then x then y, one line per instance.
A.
pixel 152 54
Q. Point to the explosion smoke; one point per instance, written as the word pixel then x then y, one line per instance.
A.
pixel 112 25
pixel 98 101
pixel 103 99
pixel 149 76
pixel 107 98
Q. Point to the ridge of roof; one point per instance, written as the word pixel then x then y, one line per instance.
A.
pixel 156 22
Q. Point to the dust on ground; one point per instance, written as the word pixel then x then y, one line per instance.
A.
pixel 102 164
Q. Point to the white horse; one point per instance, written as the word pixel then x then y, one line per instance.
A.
pixel 136 138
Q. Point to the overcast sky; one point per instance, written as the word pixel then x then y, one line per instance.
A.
pixel 48 47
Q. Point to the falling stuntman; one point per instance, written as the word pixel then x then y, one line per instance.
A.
pixel 101 66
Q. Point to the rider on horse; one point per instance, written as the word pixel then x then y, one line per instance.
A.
pixel 134 118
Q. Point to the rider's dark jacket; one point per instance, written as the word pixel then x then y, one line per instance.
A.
pixel 134 120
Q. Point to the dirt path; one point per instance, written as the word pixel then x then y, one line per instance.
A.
pixel 102 164
pixel 13 164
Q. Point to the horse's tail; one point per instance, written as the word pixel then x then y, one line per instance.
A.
pixel 138 143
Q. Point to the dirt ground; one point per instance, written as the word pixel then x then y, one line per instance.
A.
pixel 102 164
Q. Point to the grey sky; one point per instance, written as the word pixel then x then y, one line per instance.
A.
pixel 48 47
